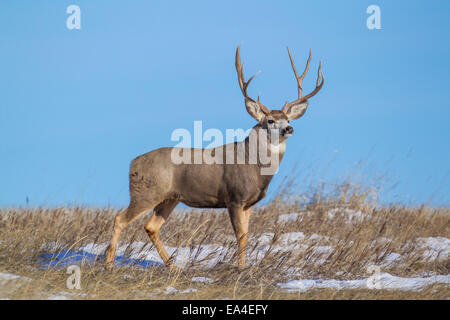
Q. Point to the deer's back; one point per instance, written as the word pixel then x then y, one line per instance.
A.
pixel 197 185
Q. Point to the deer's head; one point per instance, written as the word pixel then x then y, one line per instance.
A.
pixel 278 120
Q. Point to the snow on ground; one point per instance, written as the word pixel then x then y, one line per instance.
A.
pixel 208 255
pixel 350 215
pixel 391 259
pixel 205 255
pixel 380 281
pixel 202 279
pixel 189 290
pixel 291 217
pixel 289 242
pixel 9 283
pixel 58 297
pixel 435 248
pixel 172 290
pixel 6 277
pixel 295 238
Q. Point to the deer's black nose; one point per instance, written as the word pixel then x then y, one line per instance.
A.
pixel 289 130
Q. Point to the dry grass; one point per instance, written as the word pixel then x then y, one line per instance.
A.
pixel 345 248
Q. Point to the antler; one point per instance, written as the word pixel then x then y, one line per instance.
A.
pixel 242 83
pixel 319 83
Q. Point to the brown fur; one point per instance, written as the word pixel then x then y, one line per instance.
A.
pixel 156 182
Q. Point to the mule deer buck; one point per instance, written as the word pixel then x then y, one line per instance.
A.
pixel 156 182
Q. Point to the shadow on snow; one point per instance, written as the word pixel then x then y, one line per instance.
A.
pixel 66 258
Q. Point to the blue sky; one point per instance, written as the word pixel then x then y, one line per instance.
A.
pixel 76 106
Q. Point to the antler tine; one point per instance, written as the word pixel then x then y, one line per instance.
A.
pixel 319 83
pixel 248 82
pixel 241 79
pixel 240 71
pixel 239 68
pixel 299 79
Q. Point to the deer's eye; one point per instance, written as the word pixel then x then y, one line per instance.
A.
pixel 270 121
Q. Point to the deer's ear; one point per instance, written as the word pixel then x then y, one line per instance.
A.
pixel 255 109
pixel 297 110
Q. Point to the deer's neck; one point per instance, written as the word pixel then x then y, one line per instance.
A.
pixel 269 153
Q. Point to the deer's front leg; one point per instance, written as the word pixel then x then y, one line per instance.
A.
pixel 239 220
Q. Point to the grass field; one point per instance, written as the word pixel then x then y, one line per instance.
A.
pixel 310 246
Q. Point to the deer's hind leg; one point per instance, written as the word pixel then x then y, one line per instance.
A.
pixel 134 211
pixel 160 215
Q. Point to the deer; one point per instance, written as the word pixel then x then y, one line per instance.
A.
pixel 155 182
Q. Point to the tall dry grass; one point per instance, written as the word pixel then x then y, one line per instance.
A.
pixel 338 245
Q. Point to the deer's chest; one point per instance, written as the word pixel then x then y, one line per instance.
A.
pixel 247 190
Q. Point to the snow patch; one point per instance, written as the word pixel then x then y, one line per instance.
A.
pixel 58 297
pixel 391 258
pixel 291 237
pixel 291 217
pixel 207 255
pixel 202 279
pixel 6 277
pixel 188 290
pixel 349 214
pixel 435 248
pixel 171 290
pixel 380 281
